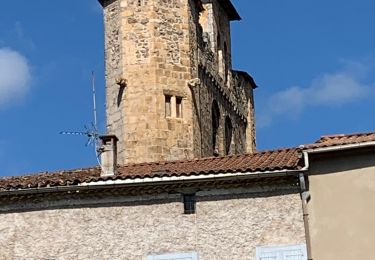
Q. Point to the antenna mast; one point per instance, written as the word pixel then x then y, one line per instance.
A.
pixel 91 133
pixel 94 100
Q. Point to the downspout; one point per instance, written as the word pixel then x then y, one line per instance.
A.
pixel 305 196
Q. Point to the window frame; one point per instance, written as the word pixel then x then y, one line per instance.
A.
pixel 279 252
pixel 179 107
pixel 190 203
pixel 168 105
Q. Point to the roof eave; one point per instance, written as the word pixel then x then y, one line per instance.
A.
pixel 247 76
pixel 336 148
pixel 231 10
pixel 119 183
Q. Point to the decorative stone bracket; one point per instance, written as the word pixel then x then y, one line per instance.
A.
pixel 122 82
pixel 193 83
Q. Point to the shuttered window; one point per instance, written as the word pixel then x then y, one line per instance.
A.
pixel 293 252
pixel 175 256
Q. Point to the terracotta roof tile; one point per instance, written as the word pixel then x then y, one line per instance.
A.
pixel 342 139
pixel 283 159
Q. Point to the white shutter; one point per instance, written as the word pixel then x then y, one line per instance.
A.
pixel 267 253
pixel 175 256
pixel 293 252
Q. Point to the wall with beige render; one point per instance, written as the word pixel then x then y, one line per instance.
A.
pixel 342 209
pixel 228 224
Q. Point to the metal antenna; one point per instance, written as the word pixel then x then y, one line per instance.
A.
pixel 92 134
pixel 94 100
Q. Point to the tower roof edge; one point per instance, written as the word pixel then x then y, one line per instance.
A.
pixel 231 10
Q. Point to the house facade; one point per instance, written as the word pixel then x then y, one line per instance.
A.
pixel 215 208
pixel 310 202
pixel 341 184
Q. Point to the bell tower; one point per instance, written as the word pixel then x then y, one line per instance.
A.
pixel 168 64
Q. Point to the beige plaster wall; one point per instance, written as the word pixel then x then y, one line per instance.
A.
pixel 342 208
pixel 227 225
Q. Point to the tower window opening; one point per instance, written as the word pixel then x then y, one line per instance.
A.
pixel 168 110
pixel 179 107
pixel 218 41
pixel 139 2
pixel 189 203
pixel 215 127
pixel 228 135
pixel 225 62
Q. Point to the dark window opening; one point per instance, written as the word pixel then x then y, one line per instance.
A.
pixel 168 109
pixel 218 41
pixel 189 203
pixel 228 135
pixel 215 127
pixel 225 62
pixel 179 107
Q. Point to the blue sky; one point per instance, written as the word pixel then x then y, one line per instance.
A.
pixel 314 62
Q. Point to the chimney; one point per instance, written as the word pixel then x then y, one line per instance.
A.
pixel 108 155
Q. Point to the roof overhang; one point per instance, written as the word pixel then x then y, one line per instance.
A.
pixel 105 2
pixel 247 77
pixel 230 9
pixel 337 148
pixel 120 183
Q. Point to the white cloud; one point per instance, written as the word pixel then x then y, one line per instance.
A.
pixel 15 77
pixel 335 89
pixel 329 90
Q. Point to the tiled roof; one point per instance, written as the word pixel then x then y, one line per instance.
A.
pixel 342 139
pixel 274 160
pixel 283 159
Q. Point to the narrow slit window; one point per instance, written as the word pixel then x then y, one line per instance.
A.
pixel 179 107
pixel 189 203
pixel 215 127
pixel 168 106
pixel 228 135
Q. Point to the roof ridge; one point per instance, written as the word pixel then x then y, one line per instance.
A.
pixel 345 135
pixel 161 163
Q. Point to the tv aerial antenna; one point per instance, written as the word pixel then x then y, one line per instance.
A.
pixel 92 132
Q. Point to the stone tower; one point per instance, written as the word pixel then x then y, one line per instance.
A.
pixel 170 89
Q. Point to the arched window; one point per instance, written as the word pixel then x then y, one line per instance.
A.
pixel 228 135
pixel 215 126
pixel 225 62
pixel 218 41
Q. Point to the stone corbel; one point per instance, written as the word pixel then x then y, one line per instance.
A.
pixel 122 82
pixel 193 83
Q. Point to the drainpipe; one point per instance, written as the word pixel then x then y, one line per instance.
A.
pixel 305 196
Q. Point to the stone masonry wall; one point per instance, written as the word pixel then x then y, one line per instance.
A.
pixel 232 92
pixel 113 65
pixel 218 83
pixel 156 62
pixel 155 48
pixel 228 224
